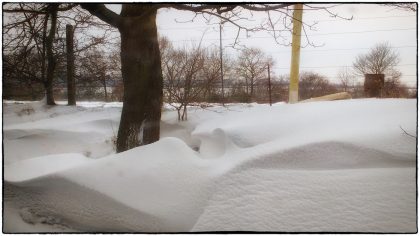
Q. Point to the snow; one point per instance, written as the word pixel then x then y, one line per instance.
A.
pixel 40 166
pixel 360 200
pixel 339 166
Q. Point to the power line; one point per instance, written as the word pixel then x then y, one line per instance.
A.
pixel 232 26
pixel 366 31
pixel 369 18
pixel 328 50
pixel 350 49
pixel 332 77
pixel 331 66
pixel 322 34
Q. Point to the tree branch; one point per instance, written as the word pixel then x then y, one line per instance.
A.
pixel 221 8
pixel 104 14
pixel 24 11
pixel 407 133
pixel 253 7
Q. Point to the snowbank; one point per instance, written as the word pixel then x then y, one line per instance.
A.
pixel 334 166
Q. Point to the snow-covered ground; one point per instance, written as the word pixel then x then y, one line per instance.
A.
pixel 340 166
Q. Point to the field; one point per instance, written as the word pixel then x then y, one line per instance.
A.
pixel 339 166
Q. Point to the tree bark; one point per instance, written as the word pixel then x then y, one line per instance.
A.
pixel 71 88
pixel 53 8
pixel 142 77
pixel 151 128
pixel 49 93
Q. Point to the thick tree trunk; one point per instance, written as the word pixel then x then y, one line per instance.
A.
pixel 50 56
pixel 151 128
pixel 49 93
pixel 142 77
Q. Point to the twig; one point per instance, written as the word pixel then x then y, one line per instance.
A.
pixel 407 133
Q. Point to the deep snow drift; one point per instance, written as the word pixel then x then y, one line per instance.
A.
pixel 341 166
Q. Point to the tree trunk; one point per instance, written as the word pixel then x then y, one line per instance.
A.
pixel 104 84
pixel 184 113
pixel 49 93
pixel 178 109
pixel 247 86
pixel 50 57
pixel 71 88
pixel 252 88
pixel 151 128
pixel 142 76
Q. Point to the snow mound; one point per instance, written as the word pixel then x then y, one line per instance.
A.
pixel 74 207
pixel 154 180
pixel 43 142
pixel 87 131
pixel 325 166
pixel 216 144
pixel 38 167
pixel 373 122
pixel 325 156
pixel 355 189
pixel 258 199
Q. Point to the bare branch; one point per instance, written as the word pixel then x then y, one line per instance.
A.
pixel 253 7
pixel 405 132
pixel 16 10
pixel 104 14
pixel 403 6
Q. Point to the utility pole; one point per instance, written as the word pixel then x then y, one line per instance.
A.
pixel 269 84
pixel 221 63
pixel 294 67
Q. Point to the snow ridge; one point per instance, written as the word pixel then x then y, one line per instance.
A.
pixel 247 170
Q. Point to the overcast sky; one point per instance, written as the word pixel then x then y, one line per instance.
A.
pixel 340 41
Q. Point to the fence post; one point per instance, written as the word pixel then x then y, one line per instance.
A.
pixel 221 63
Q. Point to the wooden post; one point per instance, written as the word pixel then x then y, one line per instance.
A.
pixel 221 64
pixel 294 67
pixel 71 88
pixel 269 85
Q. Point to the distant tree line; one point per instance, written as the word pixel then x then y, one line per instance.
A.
pixel 34 51
pixel 34 65
pixel 34 57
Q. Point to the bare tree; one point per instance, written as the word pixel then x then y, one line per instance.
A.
pixel 188 74
pixel 381 59
pixel 347 79
pixel 18 83
pixel 34 36
pixel 314 85
pixel 38 23
pixel 140 56
pixel 95 70
pixel 393 88
pixel 252 66
pixel 212 91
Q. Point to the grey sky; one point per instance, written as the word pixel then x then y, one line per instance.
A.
pixel 341 40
